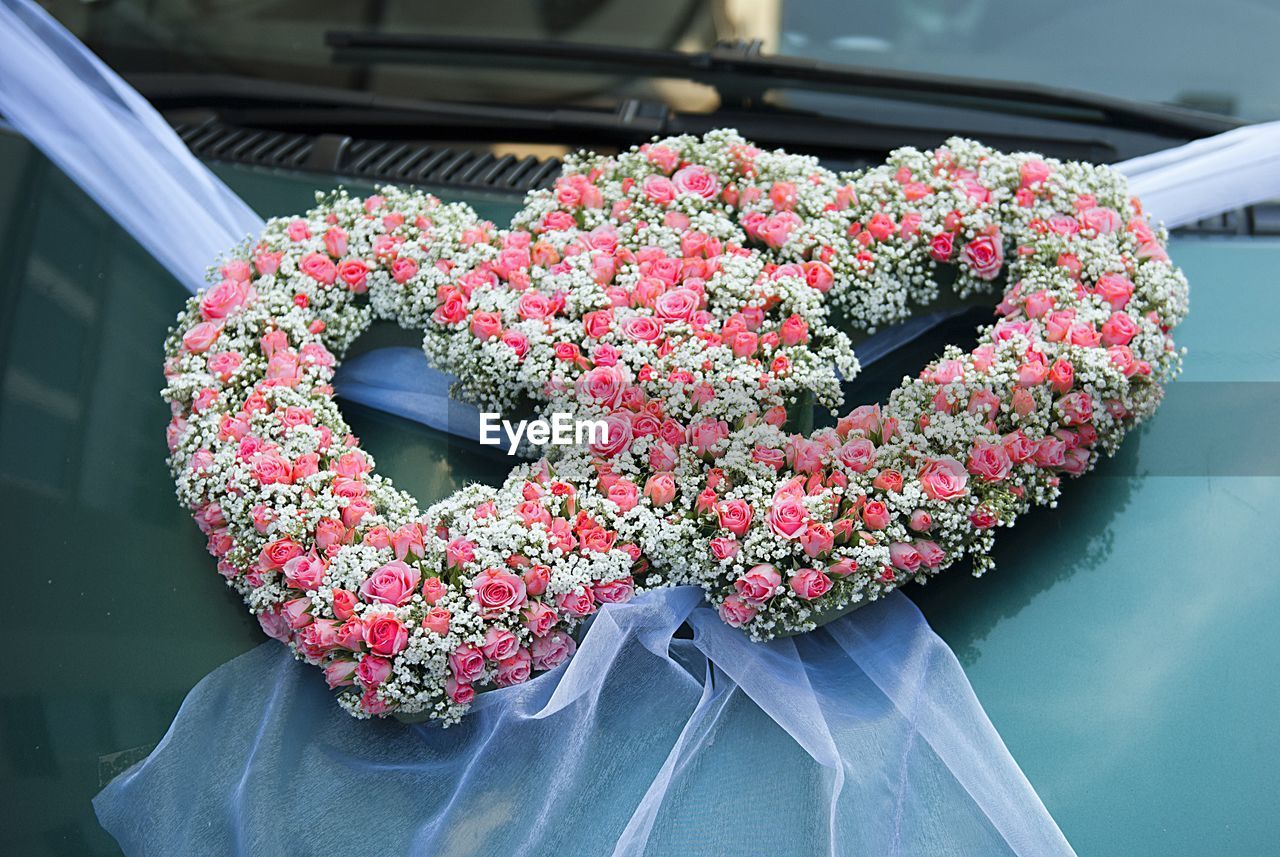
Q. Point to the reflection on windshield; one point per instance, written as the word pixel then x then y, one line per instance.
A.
pixel 1222 62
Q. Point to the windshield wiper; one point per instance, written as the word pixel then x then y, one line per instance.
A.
pixel 308 108
pixel 741 75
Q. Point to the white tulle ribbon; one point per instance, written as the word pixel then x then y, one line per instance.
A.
pixel 111 142
pixel 1209 176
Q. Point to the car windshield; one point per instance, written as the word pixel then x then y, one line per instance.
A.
pixel 1139 55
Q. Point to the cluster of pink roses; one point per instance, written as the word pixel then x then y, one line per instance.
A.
pixel 679 292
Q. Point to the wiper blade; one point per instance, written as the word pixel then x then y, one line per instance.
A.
pixel 741 74
pixel 308 108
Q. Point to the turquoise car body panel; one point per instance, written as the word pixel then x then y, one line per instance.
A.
pixel 1125 647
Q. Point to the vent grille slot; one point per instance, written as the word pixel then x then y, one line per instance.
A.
pixel 416 163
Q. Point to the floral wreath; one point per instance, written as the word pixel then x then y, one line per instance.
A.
pixel 684 292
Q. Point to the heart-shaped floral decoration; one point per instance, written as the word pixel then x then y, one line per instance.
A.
pixel 680 293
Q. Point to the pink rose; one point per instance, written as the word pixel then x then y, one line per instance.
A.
pixel 920 521
pixel 989 461
pixel 788 517
pixel 984 256
pixel 659 189
pixel 677 304
pixel 696 181
pixel 1120 329
pixel 723 548
pixel 614 591
pixel 517 342
pixel 459 692
pixel 1019 447
pixel 858 455
pixel 200 337
pixel 844 567
pixel 597 540
pixel 1076 461
pixel 597 323
pixel 794 331
pixel 1122 358
pixel 486 325
pixel 819 276
pixel 452 308
pixel 863 420
pixel 577 602
pixel 942 246
pixel 514 669
pixel 875 514
pixel 533 305
pixel 385 635
pixel 318 267
pixel 373 704
pixel 373 671
pixel 224 299
pixel 983 518
pixel 499 644
pixel 275 554
pixel 353 272
pixel 617 436
pixel 774 459
pixel 759 583
pixel 437 620
pixel 498 591
pixel 625 494
pixel 274 624
pixel 433 589
pixel 816 540
pixel 777 228
pixel 339 673
pixel 736 611
pixel 735 516
pixel 1050 452
pixel 536 579
pixel 225 363
pixel 552 650
pixel 236 269
pixel 393 583
pixel 931 555
pixel 458 552
pixel 404 269
pixel 1103 220
pixel 1084 335
pixel 809 583
pixel 539 618
pixel 1115 289
pixel 1061 376
pixel 642 329
pixel 706 433
pixel 304 572
pixel 905 557
pixel 1076 408
pixel 344 604
pixel 1033 171
pixel 466 663
pixel 943 479
pixel 605 384
pixel 660 488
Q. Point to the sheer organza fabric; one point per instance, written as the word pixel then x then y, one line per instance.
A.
pixel 668 733
pixel 861 738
